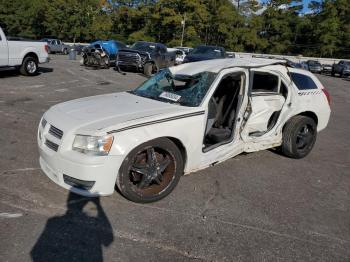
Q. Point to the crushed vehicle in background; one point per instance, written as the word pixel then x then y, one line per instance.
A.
pixel 342 68
pixel 56 46
pixel 205 52
pixel 101 54
pixel 146 57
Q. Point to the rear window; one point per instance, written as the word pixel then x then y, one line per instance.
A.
pixel 303 82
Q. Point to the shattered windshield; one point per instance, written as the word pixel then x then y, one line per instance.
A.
pixel 179 89
pixel 143 46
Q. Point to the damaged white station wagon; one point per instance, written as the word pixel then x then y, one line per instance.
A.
pixel 181 120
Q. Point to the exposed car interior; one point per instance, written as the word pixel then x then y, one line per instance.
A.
pixel 268 95
pixel 222 110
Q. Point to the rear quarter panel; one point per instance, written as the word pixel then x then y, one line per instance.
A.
pixel 19 49
pixel 313 100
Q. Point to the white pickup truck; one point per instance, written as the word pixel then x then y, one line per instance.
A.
pixel 23 55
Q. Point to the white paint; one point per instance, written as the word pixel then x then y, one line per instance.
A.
pixel 20 170
pixel 10 215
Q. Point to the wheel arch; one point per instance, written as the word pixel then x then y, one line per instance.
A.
pixel 31 54
pixel 310 114
pixel 181 147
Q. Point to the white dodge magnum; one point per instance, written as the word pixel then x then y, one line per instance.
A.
pixel 181 120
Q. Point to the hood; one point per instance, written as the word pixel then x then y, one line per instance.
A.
pixel 129 50
pixel 99 113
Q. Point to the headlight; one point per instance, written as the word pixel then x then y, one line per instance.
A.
pixel 93 145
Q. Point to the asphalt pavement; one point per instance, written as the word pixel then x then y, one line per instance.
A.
pixel 254 207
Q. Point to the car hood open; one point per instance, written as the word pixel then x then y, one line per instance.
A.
pixel 100 113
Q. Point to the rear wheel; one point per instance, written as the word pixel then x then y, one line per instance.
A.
pixel 151 171
pixel 29 66
pixel 299 136
pixel 65 51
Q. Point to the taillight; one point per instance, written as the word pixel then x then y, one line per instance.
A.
pixel 47 48
pixel 327 95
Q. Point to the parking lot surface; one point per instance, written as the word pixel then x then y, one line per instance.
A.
pixel 254 207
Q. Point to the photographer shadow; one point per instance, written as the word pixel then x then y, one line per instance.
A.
pixel 78 235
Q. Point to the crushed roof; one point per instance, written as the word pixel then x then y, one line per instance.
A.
pixel 216 65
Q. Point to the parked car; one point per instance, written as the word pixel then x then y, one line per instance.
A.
pixel 146 57
pixel 179 55
pixel 205 52
pixel 181 120
pixel 314 66
pixel 56 46
pixel 101 53
pixel 342 68
pixel 187 50
pixel 23 55
pixel 327 69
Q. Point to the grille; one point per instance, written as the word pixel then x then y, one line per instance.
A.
pixel 128 59
pixel 51 145
pixel 43 122
pixel 81 184
pixel 56 132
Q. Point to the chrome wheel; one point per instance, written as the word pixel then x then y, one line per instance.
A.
pixel 31 67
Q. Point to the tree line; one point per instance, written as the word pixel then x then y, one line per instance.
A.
pixel 274 27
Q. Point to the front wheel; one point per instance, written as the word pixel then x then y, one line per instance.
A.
pixel 299 136
pixel 150 171
pixel 29 66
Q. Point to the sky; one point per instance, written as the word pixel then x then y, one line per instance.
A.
pixel 305 4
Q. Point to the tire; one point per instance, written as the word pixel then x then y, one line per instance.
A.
pixel 29 66
pixel 156 184
pixel 65 51
pixel 148 69
pixel 333 73
pixel 299 137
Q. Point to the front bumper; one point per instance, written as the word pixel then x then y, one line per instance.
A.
pixel 100 170
pixel 346 72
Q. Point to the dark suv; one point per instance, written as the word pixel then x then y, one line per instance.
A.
pixel 342 68
pixel 205 52
pixel 146 57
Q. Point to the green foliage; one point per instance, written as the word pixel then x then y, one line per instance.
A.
pixel 278 26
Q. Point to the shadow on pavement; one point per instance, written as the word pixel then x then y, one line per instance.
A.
pixel 78 235
pixel 16 73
